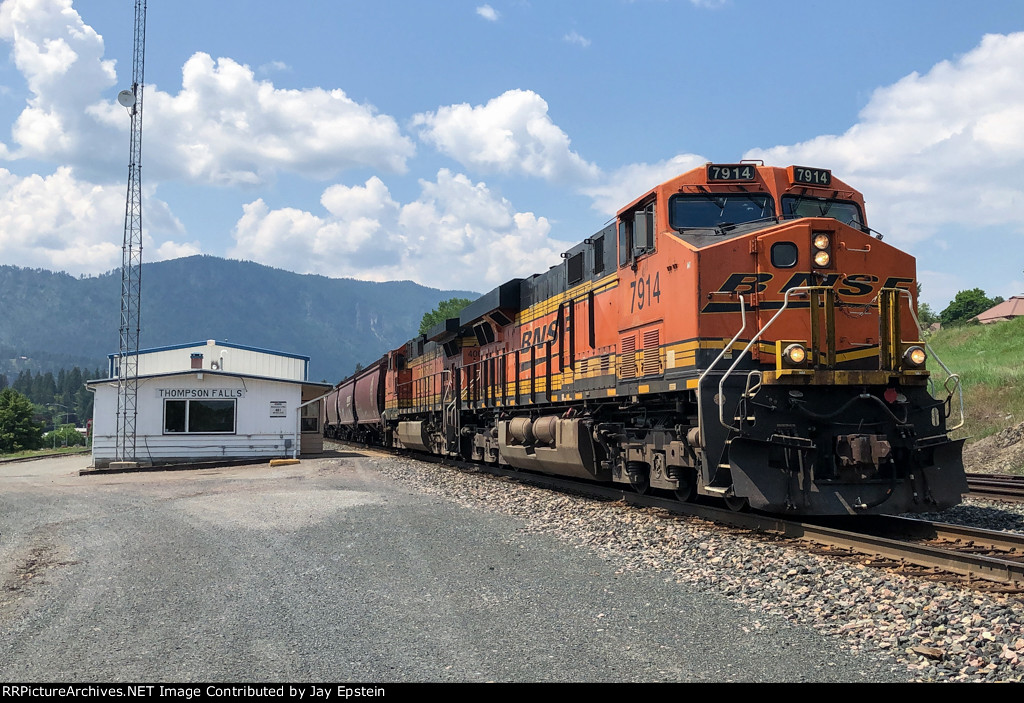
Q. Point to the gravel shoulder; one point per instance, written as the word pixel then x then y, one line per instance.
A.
pixel 931 631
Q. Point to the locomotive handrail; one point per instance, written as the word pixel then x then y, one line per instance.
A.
pixel 866 249
pixel 955 377
pixel 490 379
pixel 727 347
pixel 753 340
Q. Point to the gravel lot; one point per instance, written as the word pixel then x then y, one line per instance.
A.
pixel 383 570
pixel 931 631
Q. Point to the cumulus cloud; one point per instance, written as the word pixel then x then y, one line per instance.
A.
pixel 62 61
pixel 456 234
pixel 512 133
pixel 937 155
pixel 629 182
pixel 488 13
pixel 936 149
pixel 224 126
pixel 60 223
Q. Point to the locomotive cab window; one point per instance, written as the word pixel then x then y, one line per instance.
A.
pixel 636 234
pixel 718 210
pixel 795 206
pixel 625 241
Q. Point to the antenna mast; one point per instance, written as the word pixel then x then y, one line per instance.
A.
pixel 131 253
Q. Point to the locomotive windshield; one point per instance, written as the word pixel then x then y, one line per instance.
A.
pixel 794 206
pixel 714 210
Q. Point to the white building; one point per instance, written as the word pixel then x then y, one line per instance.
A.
pixel 212 401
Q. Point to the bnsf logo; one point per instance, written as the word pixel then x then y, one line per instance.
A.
pixel 539 335
pixel 857 285
pixel 853 285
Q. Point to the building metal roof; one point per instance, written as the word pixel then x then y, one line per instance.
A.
pixel 1006 310
pixel 248 360
pixel 219 374
pixel 212 342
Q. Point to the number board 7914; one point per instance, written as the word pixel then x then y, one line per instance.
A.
pixel 810 176
pixel 731 172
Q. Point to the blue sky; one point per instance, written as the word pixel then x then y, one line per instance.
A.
pixel 459 144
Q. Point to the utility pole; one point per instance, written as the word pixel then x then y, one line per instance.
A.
pixel 131 254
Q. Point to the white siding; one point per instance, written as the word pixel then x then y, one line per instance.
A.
pixel 257 434
pixel 229 359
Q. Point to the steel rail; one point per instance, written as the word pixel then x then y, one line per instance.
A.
pixel 997 486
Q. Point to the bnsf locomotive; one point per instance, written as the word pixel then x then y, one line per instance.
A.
pixel 738 332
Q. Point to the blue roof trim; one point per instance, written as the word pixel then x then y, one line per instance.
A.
pixel 203 343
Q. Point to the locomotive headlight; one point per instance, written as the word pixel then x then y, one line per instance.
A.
pixel 914 357
pixel 821 243
pixel 795 354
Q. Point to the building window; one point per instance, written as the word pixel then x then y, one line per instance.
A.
pixel 199 416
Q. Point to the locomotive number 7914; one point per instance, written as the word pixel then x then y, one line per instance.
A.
pixel 644 293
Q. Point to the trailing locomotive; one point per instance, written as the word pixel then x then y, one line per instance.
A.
pixel 738 332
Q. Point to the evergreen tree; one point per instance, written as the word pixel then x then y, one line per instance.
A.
pixel 83 405
pixel 23 384
pixel 44 388
pixel 74 392
pixel 18 431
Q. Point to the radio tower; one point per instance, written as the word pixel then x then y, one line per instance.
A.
pixel 131 253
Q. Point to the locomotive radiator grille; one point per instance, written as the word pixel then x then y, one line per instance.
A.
pixel 652 353
pixel 627 355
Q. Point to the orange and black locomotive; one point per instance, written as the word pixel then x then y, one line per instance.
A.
pixel 738 332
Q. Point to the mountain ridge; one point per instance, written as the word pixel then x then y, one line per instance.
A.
pixel 53 318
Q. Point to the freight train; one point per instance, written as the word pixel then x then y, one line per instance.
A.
pixel 738 333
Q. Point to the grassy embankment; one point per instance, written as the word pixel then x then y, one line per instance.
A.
pixel 990 361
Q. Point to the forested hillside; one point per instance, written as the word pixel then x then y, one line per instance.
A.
pixel 60 398
pixel 50 321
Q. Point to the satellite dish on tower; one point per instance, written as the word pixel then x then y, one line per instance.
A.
pixel 126 98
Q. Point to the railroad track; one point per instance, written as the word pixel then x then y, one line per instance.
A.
pixel 997 486
pixel 985 559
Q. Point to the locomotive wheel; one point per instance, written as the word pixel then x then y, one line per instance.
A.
pixel 639 479
pixel 737 504
pixel 640 483
pixel 686 482
pixel 687 490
